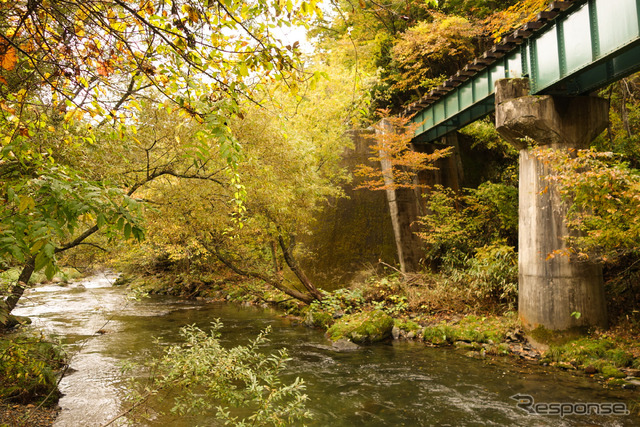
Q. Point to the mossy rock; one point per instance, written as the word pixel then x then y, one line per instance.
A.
pixel 597 354
pixel 619 357
pixel 467 345
pixel 123 280
pixel 471 329
pixel 498 350
pixel 611 372
pixel 364 327
pixel 407 325
pixel 318 319
pixel 439 334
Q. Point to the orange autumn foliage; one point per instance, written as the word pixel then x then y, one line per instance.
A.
pixel 401 163
pixel 500 23
pixel 8 57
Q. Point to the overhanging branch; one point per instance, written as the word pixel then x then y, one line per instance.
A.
pixel 307 299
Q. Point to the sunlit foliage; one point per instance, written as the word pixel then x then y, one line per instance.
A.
pixel 502 22
pixel 431 51
pixel 239 386
pixel 401 164
pixel 78 74
pixel 603 194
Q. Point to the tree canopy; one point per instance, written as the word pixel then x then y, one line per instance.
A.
pixel 78 74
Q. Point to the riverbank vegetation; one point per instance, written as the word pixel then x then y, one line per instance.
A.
pixel 239 386
pixel 196 152
pixel 30 367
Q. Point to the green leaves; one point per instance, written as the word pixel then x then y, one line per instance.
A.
pixel 602 193
pixel 459 224
pixel 44 212
pixel 80 83
pixel 203 377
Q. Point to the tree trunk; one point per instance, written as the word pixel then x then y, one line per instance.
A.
pixel 29 267
pixel 274 255
pixel 624 113
pixel 298 272
pixel 609 128
pixel 18 289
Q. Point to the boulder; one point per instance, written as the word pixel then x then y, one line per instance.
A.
pixel 344 345
pixel 315 319
pixel 395 332
pixel 366 327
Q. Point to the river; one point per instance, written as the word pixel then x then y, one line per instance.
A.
pixel 393 384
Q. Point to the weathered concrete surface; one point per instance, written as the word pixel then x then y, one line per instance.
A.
pixel 569 122
pixel 550 288
pixel 407 205
pixel 404 209
pixel 353 232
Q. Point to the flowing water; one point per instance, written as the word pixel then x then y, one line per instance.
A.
pixel 394 384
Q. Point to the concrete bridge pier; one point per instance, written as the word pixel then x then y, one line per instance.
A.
pixel 407 205
pixel 405 208
pixel 550 289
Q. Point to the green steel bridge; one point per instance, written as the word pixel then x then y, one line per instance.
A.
pixel 573 48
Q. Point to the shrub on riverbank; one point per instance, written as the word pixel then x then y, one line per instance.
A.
pixel 239 386
pixel 29 365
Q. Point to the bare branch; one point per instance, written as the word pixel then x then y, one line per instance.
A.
pixel 157 174
pixel 78 240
